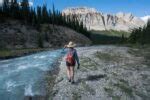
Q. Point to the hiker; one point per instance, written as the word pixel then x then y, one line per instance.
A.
pixel 71 60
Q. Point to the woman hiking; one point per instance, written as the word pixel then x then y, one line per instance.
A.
pixel 71 60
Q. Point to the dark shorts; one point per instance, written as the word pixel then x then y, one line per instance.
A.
pixel 69 64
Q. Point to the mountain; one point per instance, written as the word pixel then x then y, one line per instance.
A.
pixel 95 20
pixel 145 18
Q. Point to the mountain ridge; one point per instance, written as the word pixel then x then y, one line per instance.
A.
pixel 95 20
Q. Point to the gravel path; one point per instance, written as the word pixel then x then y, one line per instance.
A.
pixel 106 73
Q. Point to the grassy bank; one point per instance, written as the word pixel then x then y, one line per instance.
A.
pixel 108 37
pixel 6 54
pixel 112 33
pixel 104 39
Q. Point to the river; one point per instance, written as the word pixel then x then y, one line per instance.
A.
pixel 23 76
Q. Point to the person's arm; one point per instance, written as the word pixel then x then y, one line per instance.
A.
pixel 65 46
pixel 77 58
pixel 63 49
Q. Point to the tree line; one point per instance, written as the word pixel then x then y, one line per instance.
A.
pixel 40 15
pixel 140 35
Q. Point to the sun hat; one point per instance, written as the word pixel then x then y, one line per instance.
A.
pixel 71 44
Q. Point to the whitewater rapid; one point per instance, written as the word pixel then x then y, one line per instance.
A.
pixel 24 76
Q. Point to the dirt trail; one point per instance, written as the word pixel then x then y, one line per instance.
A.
pixel 107 73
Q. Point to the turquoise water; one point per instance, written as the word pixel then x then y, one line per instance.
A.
pixel 24 76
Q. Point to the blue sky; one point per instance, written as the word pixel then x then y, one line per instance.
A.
pixel 137 7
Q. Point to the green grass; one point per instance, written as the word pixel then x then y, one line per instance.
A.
pixel 123 81
pixel 76 96
pixel 4 53
pixel 116 98
pixel 88 64
pixel 19 52
pixel 141 51
pixel 124 87
pixel 108 57
pixel 142 95
pixel 108 37
pixel 104 39
pixel 110 91
pixel 87 88
pixel 112 33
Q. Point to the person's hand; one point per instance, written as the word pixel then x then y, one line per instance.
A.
pixel 78 66
pixel 65 46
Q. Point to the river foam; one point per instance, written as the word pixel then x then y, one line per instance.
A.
pixel 24 76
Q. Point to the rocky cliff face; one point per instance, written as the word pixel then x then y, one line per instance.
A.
pixel 95 20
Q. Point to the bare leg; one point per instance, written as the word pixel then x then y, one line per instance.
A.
pixel 68 72
pixel 72 72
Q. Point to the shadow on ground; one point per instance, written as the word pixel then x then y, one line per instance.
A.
pixel 91 78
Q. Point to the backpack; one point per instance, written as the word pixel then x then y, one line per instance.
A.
pixel 70 57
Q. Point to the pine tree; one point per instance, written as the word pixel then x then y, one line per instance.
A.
pixel 140 35
pixel 41 15
pixel 45 15
pixel 25 10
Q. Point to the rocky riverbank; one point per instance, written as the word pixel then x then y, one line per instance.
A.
pixel 107 73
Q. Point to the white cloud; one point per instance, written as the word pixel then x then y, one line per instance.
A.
pixel 1 1
pixel 30 3
pixel 145 18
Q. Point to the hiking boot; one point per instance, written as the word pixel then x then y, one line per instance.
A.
pixel 69 80
pixel 72 82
